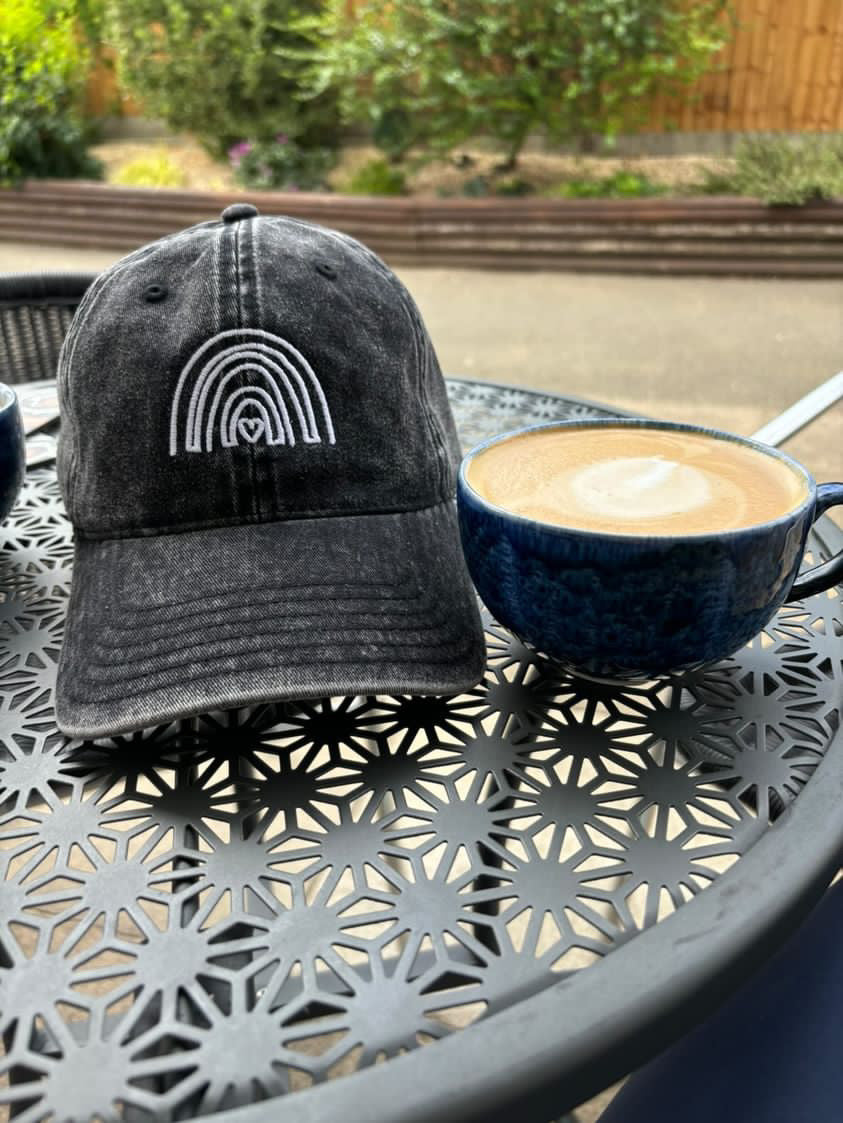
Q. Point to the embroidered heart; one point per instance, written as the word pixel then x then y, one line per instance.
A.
pixel 250 429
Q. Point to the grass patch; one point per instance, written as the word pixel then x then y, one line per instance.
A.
pixel 620 185
pixel 155 169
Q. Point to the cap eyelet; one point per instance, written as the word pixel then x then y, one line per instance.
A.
pixel 326 270
pixel 152 294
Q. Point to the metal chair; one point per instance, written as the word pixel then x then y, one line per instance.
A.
pixel 35 313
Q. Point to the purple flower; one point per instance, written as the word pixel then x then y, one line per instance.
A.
pixel 281 138
pixel 238 151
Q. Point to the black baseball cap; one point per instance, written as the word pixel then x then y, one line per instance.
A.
pixel 258 458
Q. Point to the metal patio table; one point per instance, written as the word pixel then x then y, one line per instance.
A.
pixel 397 909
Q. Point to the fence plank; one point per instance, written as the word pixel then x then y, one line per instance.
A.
pixel 835 100
pixel 780 71
pixel 822 78
pixel 761 32
pixel 806 63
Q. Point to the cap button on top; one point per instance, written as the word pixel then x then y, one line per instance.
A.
pixel 237 211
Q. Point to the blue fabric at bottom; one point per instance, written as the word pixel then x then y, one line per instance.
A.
pixel 772 1054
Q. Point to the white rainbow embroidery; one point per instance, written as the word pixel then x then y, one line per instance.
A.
pixel 282 396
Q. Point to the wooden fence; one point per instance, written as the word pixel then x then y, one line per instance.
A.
pixel 781 71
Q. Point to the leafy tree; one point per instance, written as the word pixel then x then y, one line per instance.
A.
pixel 434 73
pixel 42 69
pixel 223 71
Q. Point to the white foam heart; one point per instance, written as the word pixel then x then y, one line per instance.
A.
pixel 628 487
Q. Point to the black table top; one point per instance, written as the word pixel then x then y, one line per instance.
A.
pixel 219 916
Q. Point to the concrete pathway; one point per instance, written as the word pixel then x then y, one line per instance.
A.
pixel 724 352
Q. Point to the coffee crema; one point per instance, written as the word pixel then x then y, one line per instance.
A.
pixel 630 480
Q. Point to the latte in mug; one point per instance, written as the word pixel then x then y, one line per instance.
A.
pixel 627 549
pixel 648 481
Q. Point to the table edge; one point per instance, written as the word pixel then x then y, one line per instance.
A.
pixel 574 399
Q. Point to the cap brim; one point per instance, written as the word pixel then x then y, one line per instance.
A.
pixel 170 626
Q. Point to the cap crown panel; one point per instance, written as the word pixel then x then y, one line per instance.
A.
pixel 279 375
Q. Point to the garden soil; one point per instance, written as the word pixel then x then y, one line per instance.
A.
pixel 199 172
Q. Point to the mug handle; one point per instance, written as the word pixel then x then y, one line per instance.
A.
pixel 823 576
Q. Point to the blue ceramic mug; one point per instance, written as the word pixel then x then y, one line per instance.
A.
pixel 624 606
pixel 12 450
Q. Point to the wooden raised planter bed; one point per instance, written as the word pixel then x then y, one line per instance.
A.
pixel 710 235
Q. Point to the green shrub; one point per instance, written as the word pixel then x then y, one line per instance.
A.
pixel 157 169
pixel 377 177
pixel 42 68
pixel 715 183
pixel 431 73
pixel 477 187
pixel 280 163
pixel 620 185
pixel 222 71
pixel 783 171
pixel 514 186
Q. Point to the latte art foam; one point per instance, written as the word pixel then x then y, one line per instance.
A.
pixel 635 481
pixel 633 487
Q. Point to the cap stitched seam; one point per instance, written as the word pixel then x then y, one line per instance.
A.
pixel 216 524
pixel 364 660
pixel 356 629
pixel 198 605
pixel 145 609
pixel 111 637
pixel 415 654
pixel 240 251
pixel 411 612
pixel 424 376
pixel 405 300
pixel 67 354
pixel 261 474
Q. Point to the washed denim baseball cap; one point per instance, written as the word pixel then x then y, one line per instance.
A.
pixel 258 458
